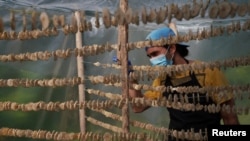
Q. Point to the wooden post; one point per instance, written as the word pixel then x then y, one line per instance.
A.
pixel 80 71
pixel 122 55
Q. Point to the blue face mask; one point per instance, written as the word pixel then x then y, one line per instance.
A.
pixel 161 60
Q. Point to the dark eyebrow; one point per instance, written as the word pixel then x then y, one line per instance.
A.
pixel 152 54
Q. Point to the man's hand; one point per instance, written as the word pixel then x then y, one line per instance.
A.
pixel 115 59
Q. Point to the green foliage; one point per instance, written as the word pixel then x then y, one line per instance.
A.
pixel 239 75
pixel 35 120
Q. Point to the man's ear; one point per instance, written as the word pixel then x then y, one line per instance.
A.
pixel 172 49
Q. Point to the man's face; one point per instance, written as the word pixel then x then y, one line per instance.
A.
pixel 155 51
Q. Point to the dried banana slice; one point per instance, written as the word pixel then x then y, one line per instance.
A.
pixel 195 10
pixel 214 11
pixel 161 15
pixel 178 15
pixel 61 20
pixel 129 16
pixel 106 17
pixel 44 18
pixel 186 11
pixel 1 25
pixel 97 21
pixel 55 21
pixel 12 20
pixel 224 9
pixel 234 8
pixel 242 10
pixel 120 16
pixel 33 20
pixel 24 21
pixel 152 15
pixel 136 18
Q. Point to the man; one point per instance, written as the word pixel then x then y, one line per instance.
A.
pixel 176 55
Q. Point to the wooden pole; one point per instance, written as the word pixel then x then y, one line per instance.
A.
pixel 122 55
pixel 80 71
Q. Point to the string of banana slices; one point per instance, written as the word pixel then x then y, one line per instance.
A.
pixel 105 125
pixel 174 133
pixel 218 9
pixel 99 49
pixel 96 49
pixel 164 131
pixel 104 94
pixel 221 91
pixel 115 80
pixel 159 130
pixel 97 104
pixel 151 72
pixel 239 93
pixel 55 135
pixel 54 82
pixel 134 123
pixel 237 90
pixel 89 50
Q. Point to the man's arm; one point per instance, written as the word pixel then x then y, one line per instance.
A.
pixel 230 118
pixel 217 78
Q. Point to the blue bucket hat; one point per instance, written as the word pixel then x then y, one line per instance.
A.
pixel 159 33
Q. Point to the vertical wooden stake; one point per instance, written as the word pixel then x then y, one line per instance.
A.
pixel 80 71
pixel 122 55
